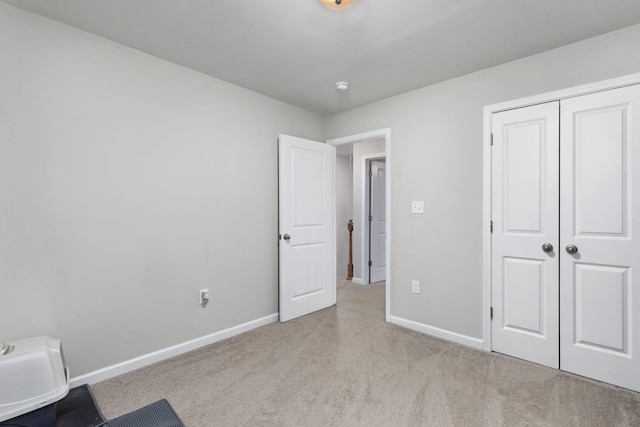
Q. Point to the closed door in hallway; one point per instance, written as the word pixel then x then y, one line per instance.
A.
pixel 377 221
pixel 564 242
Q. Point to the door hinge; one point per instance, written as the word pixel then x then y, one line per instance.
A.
pixel 370 263
pixel 370 218
pixel 490 313
pixel 370 173
pixel 491 139
pixel 491 226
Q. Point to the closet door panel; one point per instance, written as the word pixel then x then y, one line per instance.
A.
pixel 599 205
pixel 600 176
pixel 525 217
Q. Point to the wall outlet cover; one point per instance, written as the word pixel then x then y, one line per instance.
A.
pixel 417 207
pixel 204 297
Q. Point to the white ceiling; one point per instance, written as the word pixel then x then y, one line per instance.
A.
pixel 295 50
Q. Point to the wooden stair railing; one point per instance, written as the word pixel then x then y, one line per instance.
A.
pixel 350 265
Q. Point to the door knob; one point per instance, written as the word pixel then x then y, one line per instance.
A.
pixel 572 249
pixel 286 237
pixel 547 247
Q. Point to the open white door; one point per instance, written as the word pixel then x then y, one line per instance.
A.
pixel 306 172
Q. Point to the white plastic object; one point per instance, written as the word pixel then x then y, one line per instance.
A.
pixel 32 376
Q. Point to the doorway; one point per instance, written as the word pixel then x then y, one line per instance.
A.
pixel 361 268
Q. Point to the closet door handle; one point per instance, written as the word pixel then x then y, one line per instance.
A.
pixel 547 247
pixel 572 249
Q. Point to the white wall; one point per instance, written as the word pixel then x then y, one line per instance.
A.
pixel 128 183
pixel 437 157
pixel 344 211
pixel 360 150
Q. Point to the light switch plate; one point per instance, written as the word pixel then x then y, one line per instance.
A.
pixel 417 207
pixel 415 286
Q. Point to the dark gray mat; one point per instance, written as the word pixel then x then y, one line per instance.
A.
pixel 158 414
pixel 79 408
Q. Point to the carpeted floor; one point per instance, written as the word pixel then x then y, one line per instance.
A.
pixel 345 366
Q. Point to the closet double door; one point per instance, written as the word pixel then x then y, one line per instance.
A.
pixel 566 235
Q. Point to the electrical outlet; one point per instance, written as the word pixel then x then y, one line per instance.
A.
pixel 415 286
pixel 417 207
pixel 204 297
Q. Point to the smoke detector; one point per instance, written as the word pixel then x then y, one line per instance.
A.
pixel 342 86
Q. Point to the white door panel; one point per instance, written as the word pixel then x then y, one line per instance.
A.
pixel 600 151
pixel 601 319
pixel 523 295
pixel 525 217
pixel 306 222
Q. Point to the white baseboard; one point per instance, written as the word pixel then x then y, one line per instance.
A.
pixel 357 281
pixel 438 333
pixel 166 353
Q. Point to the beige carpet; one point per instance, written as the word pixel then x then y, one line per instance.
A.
pixel 345 366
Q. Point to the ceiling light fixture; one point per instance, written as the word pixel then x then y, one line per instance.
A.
pixel 342 86
pixel 337 4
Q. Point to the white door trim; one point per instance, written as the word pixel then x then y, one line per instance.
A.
pixel 376 134
pixel 486 176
